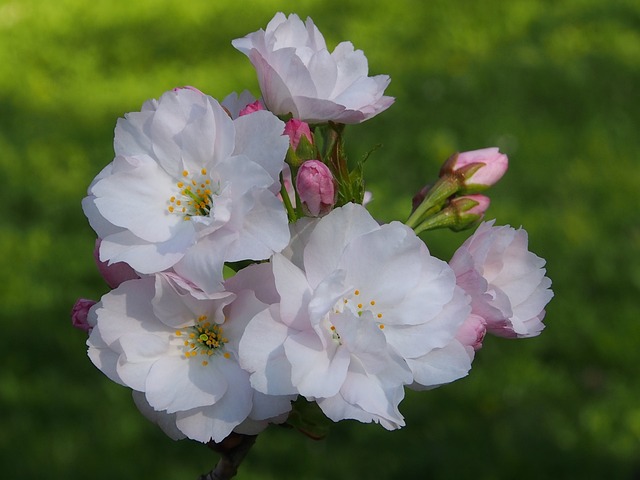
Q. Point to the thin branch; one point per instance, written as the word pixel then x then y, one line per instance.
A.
pixel 232 451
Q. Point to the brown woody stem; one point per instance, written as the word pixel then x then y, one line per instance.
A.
pixel 232 451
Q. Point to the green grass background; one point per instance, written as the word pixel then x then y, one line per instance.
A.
pixel 554 83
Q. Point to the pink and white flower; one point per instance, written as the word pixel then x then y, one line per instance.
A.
pixel 506 281
pixel 357 311
pixel 299 76
pixel 190 188
pixel 180 350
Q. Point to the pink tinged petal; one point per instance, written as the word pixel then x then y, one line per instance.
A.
pixel 237 316
pixel 294 291
pixel 436 332
pixel 266 407
pixel 139 352
pixel 276 93
pixel 440 366
pixel 146 257
pixel 126 310
pixel 262 354
pixel 244 175
pixel 177 307
pixel 138 200
pixel 367 397
pixel 300 233
pixel 325 296
pixel 132 134
pixel 318 110
pixel 234 103
pixel 166 421
pixel 103 357
pixel 264 229
pixel 176 384
pixel 113 274
pixel 331 235
pixel 259 279
pixel 316 371
pixel 336 408
pixel 384 264
pixel 259 137
pixel 215 422
pixel 100 225
pixel 352 65
pixel 324 72
pixel 287 32
pixel 315 39
pixel 188 130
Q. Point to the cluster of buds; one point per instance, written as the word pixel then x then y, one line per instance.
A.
pixel 454 200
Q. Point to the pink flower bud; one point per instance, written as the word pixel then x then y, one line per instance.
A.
pixel 252 107
pixel 316 188
pixel 80 312
pixel 471 205
pixel 113 274
pixel 296 129
pixel 479 169
pixel 471 333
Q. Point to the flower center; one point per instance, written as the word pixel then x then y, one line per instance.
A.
pixel 357 304
pixel 204 338
pixel 194 197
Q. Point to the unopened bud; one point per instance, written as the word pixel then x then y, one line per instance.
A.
pixel 470 209
pixel 113 274
pixel 80 313
pixel 471 333
pixel 252 107
pixel 296 129
pixel 316 188
pixel 478 169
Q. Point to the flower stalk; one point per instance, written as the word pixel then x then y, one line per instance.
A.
pixel 232 451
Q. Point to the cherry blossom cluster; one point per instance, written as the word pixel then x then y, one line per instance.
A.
pixel 248 277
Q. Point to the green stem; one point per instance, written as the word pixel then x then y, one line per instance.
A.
pixel 435 198
pixel 291 214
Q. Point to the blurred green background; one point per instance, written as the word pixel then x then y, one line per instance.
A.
pixel 555 84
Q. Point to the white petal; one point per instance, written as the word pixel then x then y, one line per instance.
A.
pixel 178 384
pixel 316 371
pixel 262 354
pixel 259 137
pixel 440 366
pixel 215 422
pixel 138 200
pixel 294 292
pixel 330 236
pixel 166 421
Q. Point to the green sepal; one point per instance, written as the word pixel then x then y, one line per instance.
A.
pixel 227 272
pixel 308 419
pixel 306 150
